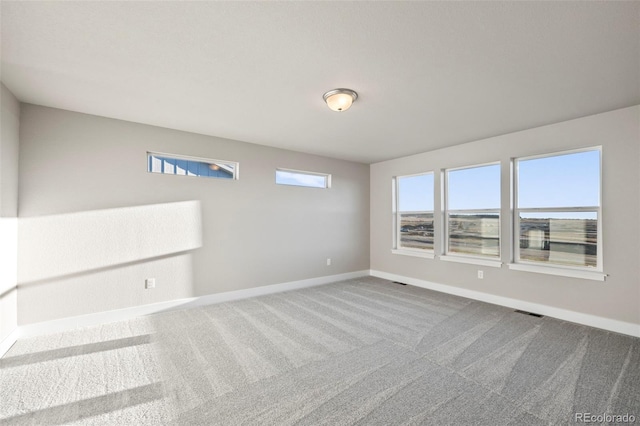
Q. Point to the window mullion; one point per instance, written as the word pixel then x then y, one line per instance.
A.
pixel 558 209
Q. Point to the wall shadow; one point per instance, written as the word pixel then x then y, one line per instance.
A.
pixel 69 351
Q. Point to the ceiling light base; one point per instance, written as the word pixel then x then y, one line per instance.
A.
pixel 340 100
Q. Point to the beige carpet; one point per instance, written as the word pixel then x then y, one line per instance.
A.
pixel 363 351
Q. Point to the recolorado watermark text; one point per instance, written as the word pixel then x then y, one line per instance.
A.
pixel 604 418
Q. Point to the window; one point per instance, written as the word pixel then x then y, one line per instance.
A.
pixel 558 219
pixel 472 211
pixel 413 217
pixel 170 164
pixel 300 178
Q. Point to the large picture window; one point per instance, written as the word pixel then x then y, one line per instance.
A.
pixel 557 217
pixel 413 216
pixel 472 211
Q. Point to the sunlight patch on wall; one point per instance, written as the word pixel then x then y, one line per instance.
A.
pixel 59 245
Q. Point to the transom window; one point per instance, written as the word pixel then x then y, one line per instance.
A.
pixel 472 211
pixel 302 178
pixel 172 164
pixel 414 212
pixel 558 217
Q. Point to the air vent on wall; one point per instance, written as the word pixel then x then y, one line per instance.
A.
pixel 530 313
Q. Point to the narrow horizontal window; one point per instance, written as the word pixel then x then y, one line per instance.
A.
pixel 300 178
pixel 171 164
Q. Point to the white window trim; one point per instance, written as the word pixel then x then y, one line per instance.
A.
pixel 427 254
pixel 327 177
pixel 490 261
pixel 221 163
pixel 551 268
pixel 558 270
pixel 473 260
pixel 397 249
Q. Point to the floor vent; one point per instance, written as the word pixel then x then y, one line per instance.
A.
pixel 396 282
pixel 530 313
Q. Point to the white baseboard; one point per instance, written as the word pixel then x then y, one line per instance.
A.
pixel 71 323
pixel 8 341
pixel 563 314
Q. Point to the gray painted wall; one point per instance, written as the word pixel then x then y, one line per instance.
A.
pixel 617 298
pixel 9 128
pixel 94 223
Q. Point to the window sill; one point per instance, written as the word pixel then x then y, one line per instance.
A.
pixel 424 255
pixel 472 261
pixel 563 272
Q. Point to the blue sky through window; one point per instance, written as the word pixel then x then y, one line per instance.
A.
pixel 415 193
pixel 179 166
pixel 285 177
pixel 570 180
pixel 474 188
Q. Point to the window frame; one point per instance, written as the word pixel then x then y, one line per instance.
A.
pixel 235 172
pixel 552 268
pixel 491 261
pixel 397 248
pixel 327 177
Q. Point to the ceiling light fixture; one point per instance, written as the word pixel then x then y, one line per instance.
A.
pixel 340 99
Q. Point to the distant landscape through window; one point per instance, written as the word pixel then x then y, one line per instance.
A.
pixel 473 211
pixel 558 207
pixel 415 212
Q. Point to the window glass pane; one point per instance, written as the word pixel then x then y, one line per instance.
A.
pixel 155 164
pixel 195 167
pixel 474 188
pixel 203 169
pixel 312 180
pixel 415 193
pixel 416 230
pixel 569 238
pixel 477 234
pixel 181 166
pixel 169 166
pixel 571 180
pixel 192 168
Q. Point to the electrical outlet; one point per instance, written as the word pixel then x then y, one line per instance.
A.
pixel 150 283
pixel 480 274
pixel 328 261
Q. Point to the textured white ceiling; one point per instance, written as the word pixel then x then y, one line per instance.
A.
pixel 429 74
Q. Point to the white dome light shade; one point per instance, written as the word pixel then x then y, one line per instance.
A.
pixel 340 99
